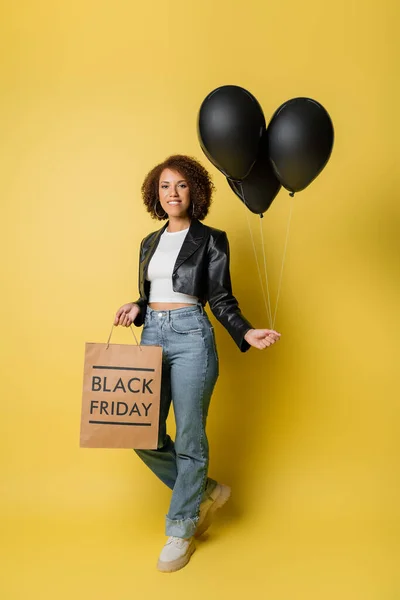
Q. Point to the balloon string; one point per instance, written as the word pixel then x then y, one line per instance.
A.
pixel 255 255
pixel 265 269
pixel 283 259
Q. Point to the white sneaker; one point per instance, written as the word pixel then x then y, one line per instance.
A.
pixel 208 507
pixel 175 554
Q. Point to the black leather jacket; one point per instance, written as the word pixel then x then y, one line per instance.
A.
pixel 202 270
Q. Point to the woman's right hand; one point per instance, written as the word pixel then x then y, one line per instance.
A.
pixel 127 314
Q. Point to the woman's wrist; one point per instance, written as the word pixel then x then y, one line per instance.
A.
pixel 248 331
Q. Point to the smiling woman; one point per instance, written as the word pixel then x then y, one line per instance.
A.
pixel 187 180
pixel 183 191
pixel 184 265
pixel 173 192
pixel 174 197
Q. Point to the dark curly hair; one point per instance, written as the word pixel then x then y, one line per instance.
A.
pixel 200 186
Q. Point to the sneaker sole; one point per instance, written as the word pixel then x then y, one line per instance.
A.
pixel 219 502
pixel 179 563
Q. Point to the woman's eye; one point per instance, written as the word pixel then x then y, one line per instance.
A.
pixel 183 185
pixel 164 186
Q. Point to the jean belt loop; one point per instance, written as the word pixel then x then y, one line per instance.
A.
pixel 201 308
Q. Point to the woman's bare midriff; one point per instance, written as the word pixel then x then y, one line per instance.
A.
pixel 168 305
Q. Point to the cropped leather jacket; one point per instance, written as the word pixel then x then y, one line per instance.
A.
pixel 202 270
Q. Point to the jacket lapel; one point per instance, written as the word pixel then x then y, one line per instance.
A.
pixel 192 241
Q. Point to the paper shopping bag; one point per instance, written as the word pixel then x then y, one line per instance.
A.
pixel 121 396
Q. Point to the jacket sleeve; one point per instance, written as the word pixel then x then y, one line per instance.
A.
pixel 223 304
pixel 141 302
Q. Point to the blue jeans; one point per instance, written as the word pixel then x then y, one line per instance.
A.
pixel 189 373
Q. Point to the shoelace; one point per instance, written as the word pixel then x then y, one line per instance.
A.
pixel 175 540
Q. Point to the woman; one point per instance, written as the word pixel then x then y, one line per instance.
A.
pixel 182 266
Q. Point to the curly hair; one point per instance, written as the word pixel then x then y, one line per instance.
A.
pixel 200 186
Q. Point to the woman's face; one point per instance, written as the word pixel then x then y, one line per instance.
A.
pixel 174 194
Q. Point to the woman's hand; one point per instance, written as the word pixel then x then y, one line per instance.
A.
pixel 126 314
pixel 262 338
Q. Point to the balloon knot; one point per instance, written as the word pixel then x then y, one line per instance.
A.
pixel 291 194
pixel 261 216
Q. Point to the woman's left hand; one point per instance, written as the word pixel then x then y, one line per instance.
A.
pixel 262 338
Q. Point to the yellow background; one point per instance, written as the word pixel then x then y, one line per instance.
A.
pixel 93 94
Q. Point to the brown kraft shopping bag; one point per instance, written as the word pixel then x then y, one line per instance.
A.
pixel 121 395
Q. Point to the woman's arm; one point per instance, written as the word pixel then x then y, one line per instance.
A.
pixel 222 302
pixel 225 306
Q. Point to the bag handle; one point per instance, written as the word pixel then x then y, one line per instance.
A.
pixel 133 333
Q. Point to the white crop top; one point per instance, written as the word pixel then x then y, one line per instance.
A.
pixel 160 268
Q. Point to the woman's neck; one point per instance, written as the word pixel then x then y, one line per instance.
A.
pixel 178 224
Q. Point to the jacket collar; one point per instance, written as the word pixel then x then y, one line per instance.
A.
pixel 192 241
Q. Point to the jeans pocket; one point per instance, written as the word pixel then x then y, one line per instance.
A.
pixel 186 325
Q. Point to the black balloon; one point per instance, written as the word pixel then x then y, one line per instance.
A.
pixel 300 140
pixel 229 126
pixel 260 187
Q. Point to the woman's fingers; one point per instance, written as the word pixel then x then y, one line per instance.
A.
pixel 269 334
pixel 273 338
pixel 266 342
pixel 274 334
pixel 122 318
pixel 119 316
